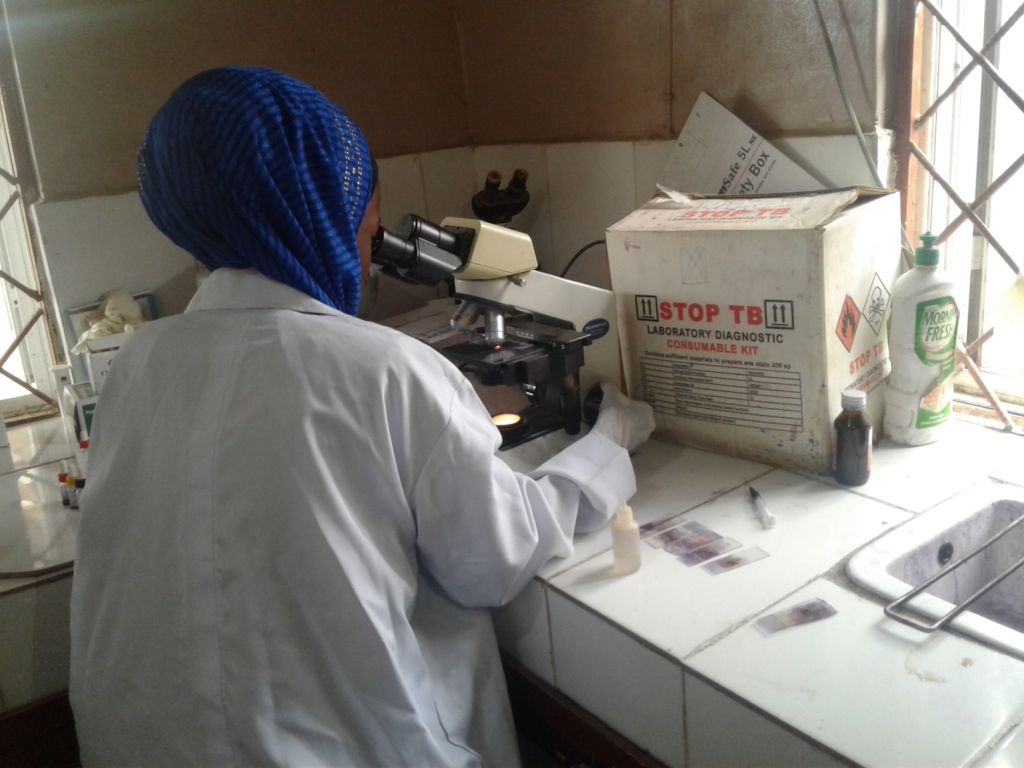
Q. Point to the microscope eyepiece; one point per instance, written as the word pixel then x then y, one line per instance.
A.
pixel 392 250
pixel 412 227
pixel 419 251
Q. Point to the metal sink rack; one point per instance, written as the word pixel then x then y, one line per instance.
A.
pixel 891 610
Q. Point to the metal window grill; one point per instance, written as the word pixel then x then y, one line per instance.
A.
pixel 912 145
pixel 27 359
pixel 974 210
pixel 12 217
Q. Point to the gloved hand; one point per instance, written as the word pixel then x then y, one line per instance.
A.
pixel 626 422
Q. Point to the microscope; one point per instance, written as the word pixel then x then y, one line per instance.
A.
pixel 518 333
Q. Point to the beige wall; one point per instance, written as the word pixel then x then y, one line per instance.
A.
pixel 93 72
pixel 767 61
pixel 421 75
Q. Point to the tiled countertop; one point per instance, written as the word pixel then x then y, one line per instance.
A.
pixel 37 533
pixel 37 537
pixel 669 656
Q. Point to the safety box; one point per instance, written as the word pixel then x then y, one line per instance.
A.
pixel 742 319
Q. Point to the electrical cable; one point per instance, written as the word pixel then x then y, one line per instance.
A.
pixel 578 254
pixel 846 99
pixel 908 248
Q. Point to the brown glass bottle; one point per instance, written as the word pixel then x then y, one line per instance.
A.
pixel 852 433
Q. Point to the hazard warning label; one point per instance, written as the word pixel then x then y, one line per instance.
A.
pixel 876 303
pixel 849 319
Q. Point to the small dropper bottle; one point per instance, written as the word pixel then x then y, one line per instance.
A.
pixel 625 541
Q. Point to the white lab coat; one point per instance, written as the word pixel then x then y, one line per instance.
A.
pixel 293 525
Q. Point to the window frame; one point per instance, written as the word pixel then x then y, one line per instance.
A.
pixel 918 22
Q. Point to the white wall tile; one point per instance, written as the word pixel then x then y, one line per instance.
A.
pixel 523 631
pixel 723 733
pixel 592 186
pixel 650 158
pixel 838 161
pixel 635 691
pixel 535 219
pixel 402 189
pixel 96 244
pixel 448 182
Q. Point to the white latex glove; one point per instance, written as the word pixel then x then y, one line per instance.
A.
pixel 626 422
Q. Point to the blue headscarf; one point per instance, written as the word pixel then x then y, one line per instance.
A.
pixel 252 168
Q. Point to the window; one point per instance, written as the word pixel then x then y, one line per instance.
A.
pixel 26 352
pixel 963 182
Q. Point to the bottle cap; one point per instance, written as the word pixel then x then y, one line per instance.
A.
pixel 927 255
pixel 854 399
pixel 624 514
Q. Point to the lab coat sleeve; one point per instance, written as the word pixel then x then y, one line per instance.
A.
pixel 601 471
pixel 484 530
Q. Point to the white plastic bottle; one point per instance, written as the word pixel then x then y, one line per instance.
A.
pixel 625 541
pixel 922 348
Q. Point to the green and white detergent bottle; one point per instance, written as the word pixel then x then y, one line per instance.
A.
pixel 922 347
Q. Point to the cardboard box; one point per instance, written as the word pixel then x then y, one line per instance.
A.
pixel 743 318
pixel 100 356
pixel 716 153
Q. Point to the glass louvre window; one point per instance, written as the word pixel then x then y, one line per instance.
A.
pixel 25 358
pixel 26 345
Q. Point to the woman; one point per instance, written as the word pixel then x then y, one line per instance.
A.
pixel 295 521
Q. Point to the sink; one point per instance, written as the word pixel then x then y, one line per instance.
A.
pixel 910 554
